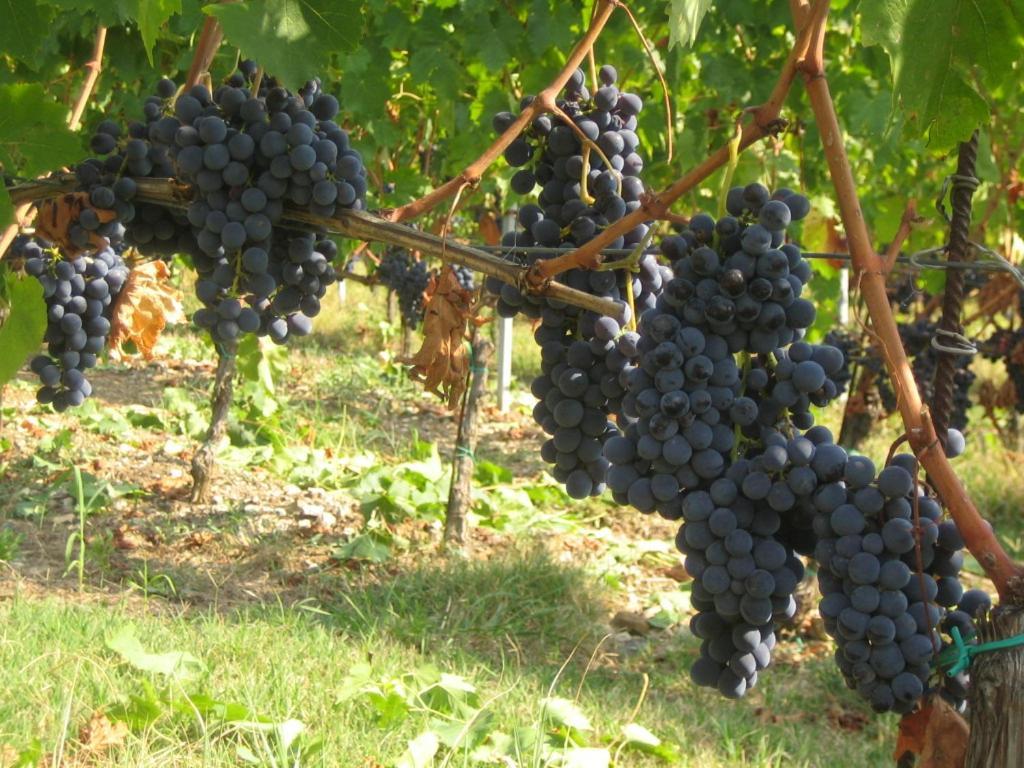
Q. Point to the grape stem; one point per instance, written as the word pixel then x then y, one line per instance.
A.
pixel 543 102
pixel 976 532
pixel 209 41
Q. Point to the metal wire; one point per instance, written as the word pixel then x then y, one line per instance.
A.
pixel 919 260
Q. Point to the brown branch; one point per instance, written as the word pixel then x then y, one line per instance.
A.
pixel 976 532
pixel 358 225
pixel 765 121
pixel 94 67
pixel 907 221
pixel 543 102
pixel 209 41
pixel 21 219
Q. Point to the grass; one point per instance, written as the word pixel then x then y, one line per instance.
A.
pixel 356 653
pixel 505 627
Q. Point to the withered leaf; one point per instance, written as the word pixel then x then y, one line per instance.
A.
pixel 934 732
pixel 58 214
pixel 100 734
pixel 147 304
pixel 442 361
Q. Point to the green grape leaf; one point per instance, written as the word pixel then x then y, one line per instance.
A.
pixel 25 26
pixel 940 52
pixel 22 332
pixel 106 12
pixel 151 15
pixel 34 136
pixel 274 32
pixel 6 208
pixel 684 19
pixel 882 24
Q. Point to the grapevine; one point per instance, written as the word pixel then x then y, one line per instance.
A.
pixel 686 390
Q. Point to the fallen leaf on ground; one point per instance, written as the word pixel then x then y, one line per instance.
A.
pixel 848 719
pixel 635 623
pixel 100 734
pixel 126 537
pixel 146 305
pixel 678 573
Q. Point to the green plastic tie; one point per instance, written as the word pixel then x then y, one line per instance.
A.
pixel 959 655
pixel 461 450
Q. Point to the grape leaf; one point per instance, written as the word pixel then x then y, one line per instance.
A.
pixel 684 19
pixel 22 332
pixel 177 665
pixel 272 31
pixel 6 209
pixel 151 15
pixel 940 50
pixel 25 26
pixel 33 134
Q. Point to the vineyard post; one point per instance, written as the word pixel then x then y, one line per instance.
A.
pixel 997 707
pixel 460 494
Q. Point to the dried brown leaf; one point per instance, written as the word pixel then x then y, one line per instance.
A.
pixel 945 739
pixel 490 232
pixel 442 362
pixel 58 214
pixel 936 733
pixel 101 735
pixel 147 304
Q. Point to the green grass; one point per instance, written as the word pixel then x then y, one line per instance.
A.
pixel 506 626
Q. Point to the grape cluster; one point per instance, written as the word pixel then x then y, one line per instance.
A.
pixel 465 277
pixel 744 574
pixel 797 378
pixel 579 194
pixel 844 341
pixel 883 612
pixel 579 390
pixel 110 182
pixel 408 278
pixel 248 155
pixel 1007 346
pixel 688 400
pixel 80 295
pixel 736 277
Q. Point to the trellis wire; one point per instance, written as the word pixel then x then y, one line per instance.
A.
pixel 918 260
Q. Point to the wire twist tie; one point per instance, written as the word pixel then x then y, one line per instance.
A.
pixel 963 346
pixel 957 657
